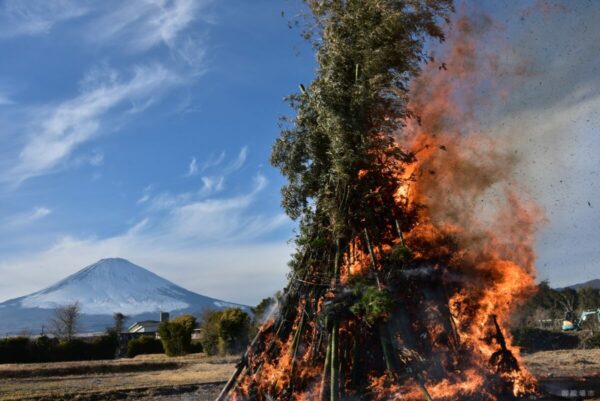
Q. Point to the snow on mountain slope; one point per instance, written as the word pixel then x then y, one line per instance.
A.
pixel 117 285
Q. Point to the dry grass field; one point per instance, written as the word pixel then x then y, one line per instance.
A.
pixel 147 377
pixel 195 377
pixel 564 363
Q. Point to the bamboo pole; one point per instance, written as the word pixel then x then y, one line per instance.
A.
pixel 239 369
pixel 372 255
pixel 343 364
pixel 355 357
pixel 328 376
pixel 423 389
pixel 400 233
pixel 335 366
pixel 386 347
pixel 326 371
pixel 336 262
pixel 296 343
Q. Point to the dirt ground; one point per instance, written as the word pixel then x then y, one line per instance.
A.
pixel 564 363
pixel 198 377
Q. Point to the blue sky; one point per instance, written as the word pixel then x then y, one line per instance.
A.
pixel 142 129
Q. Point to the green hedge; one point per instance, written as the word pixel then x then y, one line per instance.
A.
pixel 45 349
pixel 533 339
pixel 144 345
pixel 16 350
pixel 176 335
pixel 196 347
pixel 225 332
pixel 593 341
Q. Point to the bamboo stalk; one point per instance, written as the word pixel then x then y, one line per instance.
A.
pixel 335 366
pixel 373 260
pixel 424 390
pixel 239 369
pixel 326 370
pixel 336 262
pixel 386 347
pixel 343 363
pixel 296 343
pixel 400 233
pixel 355 356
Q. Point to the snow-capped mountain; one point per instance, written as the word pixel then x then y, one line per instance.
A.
pixel 101 289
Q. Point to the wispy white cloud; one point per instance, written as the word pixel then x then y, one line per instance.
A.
pixel 192 168
pixel 236 164
pixel 212 183
pixel 23 219
pixel 215 182
pixel 212 161
pixel 96 159
pixel 137 25
pixel 144 198
pixel 196 236
pixel 34 17
pixel 246 275
pixel 146 194
pixel 197 218
pixel 218 219
pixel 144 24
pixel 55 131
pixel 192 51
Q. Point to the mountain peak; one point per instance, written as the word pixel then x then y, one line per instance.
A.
pixel 115 285
pixel 105 287
pixel 112 263
pixel 595 284
pixel 112 260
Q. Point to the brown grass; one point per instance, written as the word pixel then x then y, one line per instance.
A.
pixel 88 380
pixel 194 377
pixel 564 363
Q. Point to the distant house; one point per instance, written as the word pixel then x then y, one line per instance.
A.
pixel 148 326
pixel 145 326
pixel 197 334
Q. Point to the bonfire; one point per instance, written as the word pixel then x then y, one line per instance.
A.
pixel 386 300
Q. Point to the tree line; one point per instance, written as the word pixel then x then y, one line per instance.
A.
pixel 554 304
pixel 222 332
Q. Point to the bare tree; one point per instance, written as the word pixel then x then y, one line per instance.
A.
pixel 66 321
pixel 119 320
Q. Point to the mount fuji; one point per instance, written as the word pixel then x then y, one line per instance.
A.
pixel 101 289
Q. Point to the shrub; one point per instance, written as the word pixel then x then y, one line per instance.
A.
pixel 176 335
pixel 233 330
pixel 73 350
pixel 196 347
pixel 105 347
pixel 15 350
pixel 593 341
pixel 533 339
pixel 144 345
pixel 209 336
pixel 225 331
pixel 44 349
